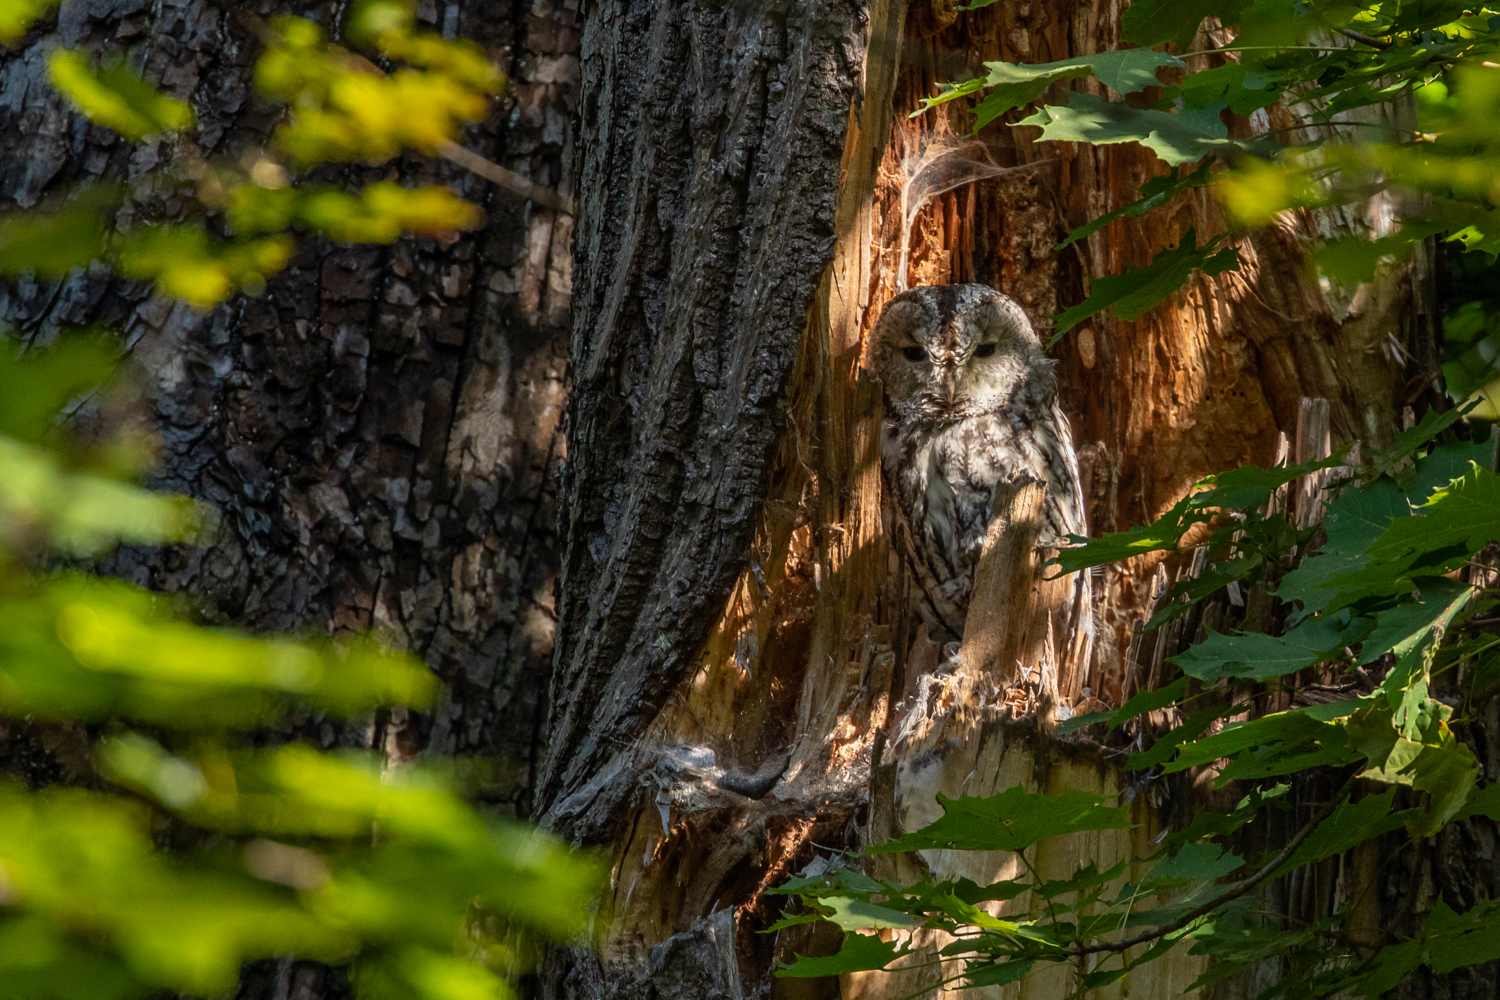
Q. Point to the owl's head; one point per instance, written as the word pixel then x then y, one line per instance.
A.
pixel 946 352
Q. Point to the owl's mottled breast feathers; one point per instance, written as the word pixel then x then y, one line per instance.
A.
pixel 971 402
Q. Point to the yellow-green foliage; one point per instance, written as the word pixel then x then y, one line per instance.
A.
pixel 379 214
pixel 16 17
pixel 286 850
pixel 187 264
pixel 343 108
pixel 116 98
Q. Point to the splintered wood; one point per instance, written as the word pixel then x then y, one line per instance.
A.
pixel 766 760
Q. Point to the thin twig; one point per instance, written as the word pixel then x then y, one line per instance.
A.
pixel 450 151
pixel 496 174
pixel 1239 890
pixel 1361 38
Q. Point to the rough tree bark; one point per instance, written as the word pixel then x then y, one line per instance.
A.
pixel 381 429
pixel 740 687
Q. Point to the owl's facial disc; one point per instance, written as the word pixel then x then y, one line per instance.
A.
pixel 946 353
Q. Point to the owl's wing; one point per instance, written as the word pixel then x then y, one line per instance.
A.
pixel 941 605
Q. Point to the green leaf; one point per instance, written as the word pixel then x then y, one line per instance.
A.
pixel 1418 14
pixel 116 98
pixel 1184 137
pixel 1151 22
pixel 1456 940
pixel 1351 823
pixel 1087 877
pixel 1140 289
pixel 1255 656
pixel 16 17
pixel 1446 463
pixel 1353 260
pixel 860 953
pixel 1353 522
pixel 1129 71
pixel 1187 592
pixel 973 916
pixel 1162 534
pixel 1455 523
pixel 979 973
pixel 1210 824
pixel 1390 966
pixel 51 244
pixel 1151 195
pixel 80 512
pixel 1415 437
pixel 1482 802
pixel 1234 84
pixel 839 881
pixel 1192 726
pixel 1193 863
pixel 1249 486
pixel 858 915
pixel 1010 821
pixel 1015 85
pixel 1290 728
pixel 39 383
pixel 1402 629
pixel 1140 703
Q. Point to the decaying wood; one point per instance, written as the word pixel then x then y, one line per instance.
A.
pixel 817 658
pixel 1003 581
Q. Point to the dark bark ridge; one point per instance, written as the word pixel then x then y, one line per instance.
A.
pixel 711 142
pixel 378 429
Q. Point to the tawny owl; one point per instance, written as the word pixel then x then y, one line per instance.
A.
pixel 971 402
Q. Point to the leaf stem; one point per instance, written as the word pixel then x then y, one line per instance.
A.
pixel 1239 890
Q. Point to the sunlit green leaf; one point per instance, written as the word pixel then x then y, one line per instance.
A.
pixel 857 914
pixel 80 512
pixel 16 17
pixel 1010 821
pixel 1184 137
pixel 186 264
pixel 860 953
pixel 117 98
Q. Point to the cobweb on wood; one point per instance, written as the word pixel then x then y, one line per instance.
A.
pixel 936 163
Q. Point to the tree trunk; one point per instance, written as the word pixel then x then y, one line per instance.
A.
pixel 742 688
pixel 381 429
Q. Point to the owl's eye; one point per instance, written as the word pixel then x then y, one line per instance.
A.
pixel 913 353
pixel 984 350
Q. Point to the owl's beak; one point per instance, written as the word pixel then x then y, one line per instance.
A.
pixel 950 384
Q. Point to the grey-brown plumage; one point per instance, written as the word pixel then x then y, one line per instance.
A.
pixel 971 402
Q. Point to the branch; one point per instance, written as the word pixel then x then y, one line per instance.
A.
pixel 1361 38
pixel 509 179
pixel 1233 894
